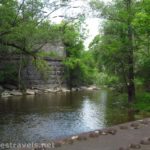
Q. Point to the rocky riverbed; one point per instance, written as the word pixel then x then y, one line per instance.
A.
pixel 5 93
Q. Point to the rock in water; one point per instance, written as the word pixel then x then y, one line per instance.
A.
pixel 16 93
pixel 5 94
pixel 30 92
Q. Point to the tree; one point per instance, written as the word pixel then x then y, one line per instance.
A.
pixel 116 45
pixel 25 29
pixel 79 69
pixel 141 23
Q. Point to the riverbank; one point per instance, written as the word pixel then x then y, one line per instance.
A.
pixel 5 93
pixel 127 136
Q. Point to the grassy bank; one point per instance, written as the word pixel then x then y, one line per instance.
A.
pixel 143 102
pixel 141 105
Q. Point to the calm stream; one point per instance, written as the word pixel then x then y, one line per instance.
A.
pixel 51 116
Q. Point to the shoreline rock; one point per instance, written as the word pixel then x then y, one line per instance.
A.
pixel 30 92
pixel 8 93
pixel 16 93
pixel 5 94
pixel 87 88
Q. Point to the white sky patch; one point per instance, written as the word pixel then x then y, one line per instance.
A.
pixel 92 24
pixel 93 27
pixel 79 6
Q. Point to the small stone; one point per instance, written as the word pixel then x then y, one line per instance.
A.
pixel 135 125
pixel 145 141
pixel 74 137
pixel 97 132
pixel 112 131
pixel 103 133
pixel 135 146
pixel 82 138
pixel 124 148
pixel 123 127
pixel 145 122
pixel 100 132
pixel 93 135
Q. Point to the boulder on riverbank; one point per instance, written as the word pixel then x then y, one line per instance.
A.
pixel 30 92
pixel 89 88
pixel 16 93
pixel 6 94
pixel 57 90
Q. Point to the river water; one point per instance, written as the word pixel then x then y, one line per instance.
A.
pixel 50 116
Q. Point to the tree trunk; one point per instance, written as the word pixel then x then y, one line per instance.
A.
pixel 131 86
pixel 19 72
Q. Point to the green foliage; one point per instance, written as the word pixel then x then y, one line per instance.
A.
pixel 105 79
pixel 80 69
pixel 24 30
pixel 8 74
pixel 142 19
pixel 141 23
pixel 143 101
pixel 24 26
pixel 42 67
pixel 52 54
pixel 122 50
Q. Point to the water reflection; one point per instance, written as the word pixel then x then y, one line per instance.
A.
pixel 93 112
pixel 51 116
